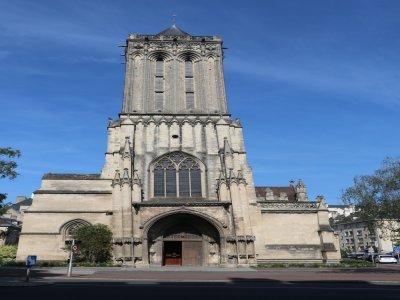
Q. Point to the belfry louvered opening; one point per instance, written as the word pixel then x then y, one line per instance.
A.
pixel 189 86
pixel 177 175
pixel 159 85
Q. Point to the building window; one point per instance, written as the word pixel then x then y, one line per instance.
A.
pixel 177 175
pixel 70 228
pixel 189 86
pixel 159 85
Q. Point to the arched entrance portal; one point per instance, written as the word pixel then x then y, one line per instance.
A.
pixel 183 240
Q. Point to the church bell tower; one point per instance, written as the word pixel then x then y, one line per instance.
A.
pixel 176 152
pixel 174 73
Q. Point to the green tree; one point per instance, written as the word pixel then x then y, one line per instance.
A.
pixel 95 243
pixel 7 170
pixel 377 196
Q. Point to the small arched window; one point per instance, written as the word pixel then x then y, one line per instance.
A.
pixel 177 175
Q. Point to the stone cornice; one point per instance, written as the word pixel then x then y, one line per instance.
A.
pixel 166 38
pixel 288 207
pixel 52 176
pixel 39 233
pixel 168 119
pixel 71 192
pixel 108 212
pixel 167 203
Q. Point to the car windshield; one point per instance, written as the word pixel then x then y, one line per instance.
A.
pixel 385 256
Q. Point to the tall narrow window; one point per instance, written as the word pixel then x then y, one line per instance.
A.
pixel 177 175
pixel 189 88
pixel 159 85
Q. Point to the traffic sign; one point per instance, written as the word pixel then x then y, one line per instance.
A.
pixel 31 260
pixel 396 249
pixel 74 248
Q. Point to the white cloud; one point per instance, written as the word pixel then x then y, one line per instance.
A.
pixel 371 83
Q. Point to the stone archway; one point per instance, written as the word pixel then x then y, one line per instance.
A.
pixel 183 239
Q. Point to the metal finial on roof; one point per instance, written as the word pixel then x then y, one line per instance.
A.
pixel 174 19
pixel 173 31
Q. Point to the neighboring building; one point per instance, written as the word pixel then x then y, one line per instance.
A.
pixel 340 210
pixel 176 187
pixel 356 236
pixel 11 221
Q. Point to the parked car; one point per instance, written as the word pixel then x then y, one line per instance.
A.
pixel 370 256
pixel 385 259
pixel 355 255
pixel 359 255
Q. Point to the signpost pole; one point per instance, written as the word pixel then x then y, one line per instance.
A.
pixel 30 261
pixel 71 256
pixel 396 249
pixel 28 272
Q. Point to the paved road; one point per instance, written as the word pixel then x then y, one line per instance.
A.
pixel 205 291
pixel 202 283
pixel 381 273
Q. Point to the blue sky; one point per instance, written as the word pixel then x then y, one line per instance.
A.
pixel 315 83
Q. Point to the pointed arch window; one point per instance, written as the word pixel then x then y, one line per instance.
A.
pixel 177 175
pixel 159 85
pixel 69 229
pixel 189 86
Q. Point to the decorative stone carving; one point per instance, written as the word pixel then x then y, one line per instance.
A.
pixel 136 180
pixel 126 150
pixel 240 178
pixel 269 194
pixel 126 178
pixel 121 240
pixel 288 206
pixel 283 196
pixel 301 191
pixel 117 179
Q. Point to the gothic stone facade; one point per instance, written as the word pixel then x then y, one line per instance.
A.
pixel 176 187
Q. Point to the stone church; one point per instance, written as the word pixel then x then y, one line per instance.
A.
pixel 176 187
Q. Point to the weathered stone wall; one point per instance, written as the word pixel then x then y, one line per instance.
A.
pixel 201 136
pixel 204 52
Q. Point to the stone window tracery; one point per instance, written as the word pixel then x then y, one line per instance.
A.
pixel 70 228
pixel 177 175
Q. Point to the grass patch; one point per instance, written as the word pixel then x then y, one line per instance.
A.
pixel 345 263
pixel 356 263
pixel 291 265
pixel 56 263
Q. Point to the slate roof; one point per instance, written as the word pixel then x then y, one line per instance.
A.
pixel 173 31
pixel 260 191
pixel 7 222
pixel 26 202
pixel 71 176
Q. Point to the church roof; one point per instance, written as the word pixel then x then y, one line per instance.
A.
pixel 173 31
pixel 276 190
pixel 52 176
pixel 26 202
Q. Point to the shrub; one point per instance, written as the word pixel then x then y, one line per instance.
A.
pixel 94 243
pixel 8 252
